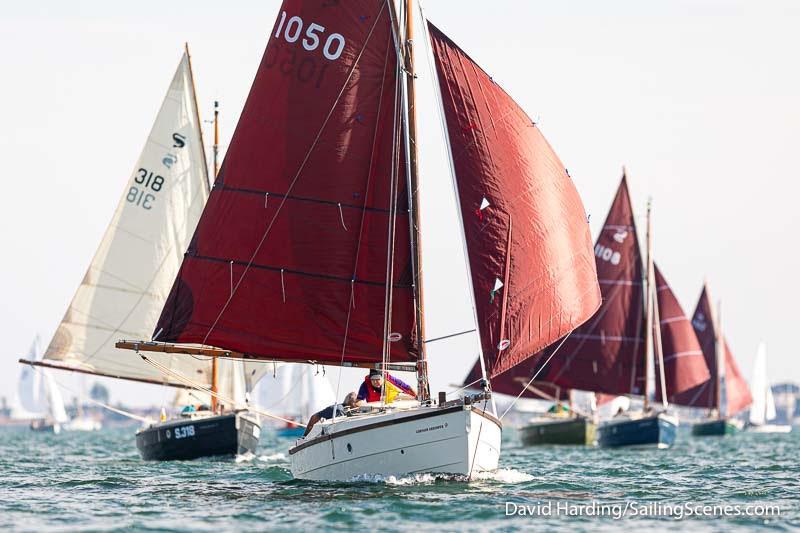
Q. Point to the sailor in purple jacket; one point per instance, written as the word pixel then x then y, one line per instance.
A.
pixel 370 390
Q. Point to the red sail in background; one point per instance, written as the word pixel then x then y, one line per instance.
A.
pixel 737 393
pixel 607 353
pixel 524 222
pixel 684 362
pixel 512 381
pixel 289 258
pixel 705 395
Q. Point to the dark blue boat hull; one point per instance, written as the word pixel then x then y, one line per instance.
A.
pixel 656 431
pixel 191 438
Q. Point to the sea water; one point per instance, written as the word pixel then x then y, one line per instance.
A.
pixel 97 481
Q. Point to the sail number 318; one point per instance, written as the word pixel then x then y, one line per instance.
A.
pixel 147 181
pixel 293 28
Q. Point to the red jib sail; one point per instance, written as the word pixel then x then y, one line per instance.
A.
pixel 737 393
pixel 684 362
pixel 289 258
pixel 528 239
pixel 607 353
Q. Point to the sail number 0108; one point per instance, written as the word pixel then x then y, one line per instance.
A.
pixel 334 44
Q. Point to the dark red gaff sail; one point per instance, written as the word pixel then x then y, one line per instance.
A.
pixel 705 394
pixel 607 353
pixel 684 362
pixel 527 236
pixel 299 213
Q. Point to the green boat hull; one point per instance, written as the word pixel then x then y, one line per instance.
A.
pixel 713 427
pixel 576 431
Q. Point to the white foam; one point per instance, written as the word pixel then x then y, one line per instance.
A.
pixel 274 458
pixel 503 475
pixel 245 458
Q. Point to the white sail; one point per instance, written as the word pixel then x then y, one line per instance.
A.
pixel 31 400
pixel 762 395
pixel 129 278
pixel 295 390
pixel 55 402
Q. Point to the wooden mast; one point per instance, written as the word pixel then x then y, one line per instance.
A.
pixel 648 347
pixel 423 387
pixel 718 356
pixel 214 364
pixel 214 360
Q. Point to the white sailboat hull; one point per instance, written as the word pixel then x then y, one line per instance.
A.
pixel 769 428
pixel 461 440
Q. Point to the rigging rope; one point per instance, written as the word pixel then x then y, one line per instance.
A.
pixel 560 344
pixel 216 395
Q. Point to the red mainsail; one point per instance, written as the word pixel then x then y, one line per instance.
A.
pixel 607 353
pixel 289 259
pixel 684 361
pixel 528 240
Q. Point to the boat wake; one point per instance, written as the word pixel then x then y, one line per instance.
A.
pixel 274 458
pixel 503 475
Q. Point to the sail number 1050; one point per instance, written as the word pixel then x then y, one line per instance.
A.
pixel 334 43
pixel 147 181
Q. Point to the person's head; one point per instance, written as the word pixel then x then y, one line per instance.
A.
pixel 350 400
pixel 376 378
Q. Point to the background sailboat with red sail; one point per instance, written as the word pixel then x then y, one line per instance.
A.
pixel 725 393
pixel 309 247
pixel 609 354
pixel 563 423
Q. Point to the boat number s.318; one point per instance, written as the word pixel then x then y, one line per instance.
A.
pixel 184 431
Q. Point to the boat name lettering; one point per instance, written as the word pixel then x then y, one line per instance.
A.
pixel 334 43
pixel 432 428
pixel 184 431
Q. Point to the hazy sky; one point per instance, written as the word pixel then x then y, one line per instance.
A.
pixel 699 99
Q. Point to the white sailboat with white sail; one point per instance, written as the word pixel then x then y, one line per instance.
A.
pixel 129 278
pixel 40 397
pixel 762 410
